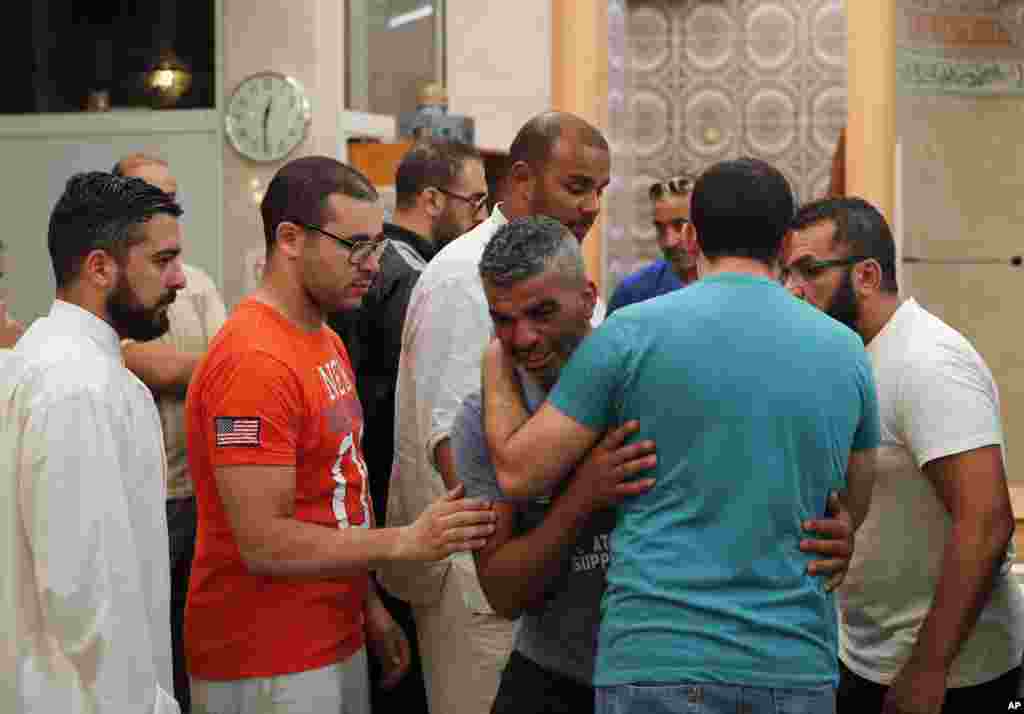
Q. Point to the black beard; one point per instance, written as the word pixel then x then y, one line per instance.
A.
pixel 131 320
pixel 844 305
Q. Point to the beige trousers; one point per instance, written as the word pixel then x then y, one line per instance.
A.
pixel 464 649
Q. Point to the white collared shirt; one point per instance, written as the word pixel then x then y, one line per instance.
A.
pixel 84 579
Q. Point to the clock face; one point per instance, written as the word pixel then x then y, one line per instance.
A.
pixel 267 116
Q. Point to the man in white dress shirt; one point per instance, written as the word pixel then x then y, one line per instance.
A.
pixel 559 167
pixel 10 329
pixel 83 553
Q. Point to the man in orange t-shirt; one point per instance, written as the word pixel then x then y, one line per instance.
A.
pixel 280 605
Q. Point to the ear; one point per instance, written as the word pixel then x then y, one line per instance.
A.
pixel 590 298
pixel 431 202
pixel 867 277
pixel 290 239
pixel 690 239
pixel 522 181
pixel 100 269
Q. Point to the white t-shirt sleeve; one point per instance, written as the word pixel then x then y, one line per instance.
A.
pixel 948 404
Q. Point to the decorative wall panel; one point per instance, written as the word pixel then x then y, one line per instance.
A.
pixel 706 80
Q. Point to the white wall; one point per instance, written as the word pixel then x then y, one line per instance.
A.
pixel 499 64
pixel 42 152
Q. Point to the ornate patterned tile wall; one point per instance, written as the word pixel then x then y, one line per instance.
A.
pixel 706 80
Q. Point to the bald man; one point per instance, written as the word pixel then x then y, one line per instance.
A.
pixel 166 365
pixel 560 166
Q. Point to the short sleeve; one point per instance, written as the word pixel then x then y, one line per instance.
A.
pixel 469 446
pixel 589 387
pixel 948 404
pixel 869 430
pixel 256 408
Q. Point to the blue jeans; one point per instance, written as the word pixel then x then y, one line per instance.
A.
pixel 701 698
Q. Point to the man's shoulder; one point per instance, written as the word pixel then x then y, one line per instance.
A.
pixel 64 368
pixel 650 272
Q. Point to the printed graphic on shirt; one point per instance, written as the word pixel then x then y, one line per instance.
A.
pixel 335 380
pixel 597 556
pixel 237 431
pixel 351 499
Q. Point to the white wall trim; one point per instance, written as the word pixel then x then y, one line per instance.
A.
pixel 118 122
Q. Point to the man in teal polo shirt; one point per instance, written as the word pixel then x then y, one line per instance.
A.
pixel 758 407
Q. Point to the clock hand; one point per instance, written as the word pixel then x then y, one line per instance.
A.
pixel 266 120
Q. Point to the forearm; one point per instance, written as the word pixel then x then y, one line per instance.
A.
pixel 516 576
pixel 286 547
pixel 445 463
pixel 970 563
pixel 516 461
pixel 161 367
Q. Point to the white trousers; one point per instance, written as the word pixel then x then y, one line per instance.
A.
pixel 341 688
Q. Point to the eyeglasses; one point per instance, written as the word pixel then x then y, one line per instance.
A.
pixel 677 223
pixel 678 186
pixel 361 245
pixel 476 201
pixel 805 270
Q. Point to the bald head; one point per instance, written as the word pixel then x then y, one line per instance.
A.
pixel 151 169
pixel 535 143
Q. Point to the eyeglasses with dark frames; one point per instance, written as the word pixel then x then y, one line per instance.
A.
pixel 476 202
pixel 806 270
pixel 361 245
pixel 677 186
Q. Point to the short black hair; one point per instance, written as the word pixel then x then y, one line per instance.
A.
pixel 299 190
pixel 742 208
pixel 430 162
pixel 100 211
pixel 861 230
pixel 526 247
pixel 535 141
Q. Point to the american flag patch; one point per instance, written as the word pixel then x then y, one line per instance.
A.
pixel 237 431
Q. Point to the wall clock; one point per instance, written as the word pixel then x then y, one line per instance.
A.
pixel 267 116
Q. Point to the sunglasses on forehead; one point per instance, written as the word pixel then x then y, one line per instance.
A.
pixel 677 186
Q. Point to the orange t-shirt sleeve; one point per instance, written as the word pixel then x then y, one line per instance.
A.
pixel 256 407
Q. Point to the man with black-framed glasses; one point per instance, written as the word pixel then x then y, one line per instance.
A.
pixel 440 193
pixel 280 604
pixel 674 233
pixel 931 617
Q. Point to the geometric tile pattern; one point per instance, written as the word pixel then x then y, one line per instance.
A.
pixel 706 80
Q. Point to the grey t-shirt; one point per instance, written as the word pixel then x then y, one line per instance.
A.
pixel 563 636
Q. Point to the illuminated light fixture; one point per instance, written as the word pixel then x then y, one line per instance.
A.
pixel 412 16
pixel 168 81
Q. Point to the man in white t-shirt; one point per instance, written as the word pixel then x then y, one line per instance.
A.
pixel 931 619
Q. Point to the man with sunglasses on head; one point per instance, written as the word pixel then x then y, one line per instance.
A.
pixel 677 240
pixel 280 606
pixel 931 617
pixel 440 193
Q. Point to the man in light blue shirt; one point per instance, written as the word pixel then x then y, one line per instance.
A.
pixel 759 407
